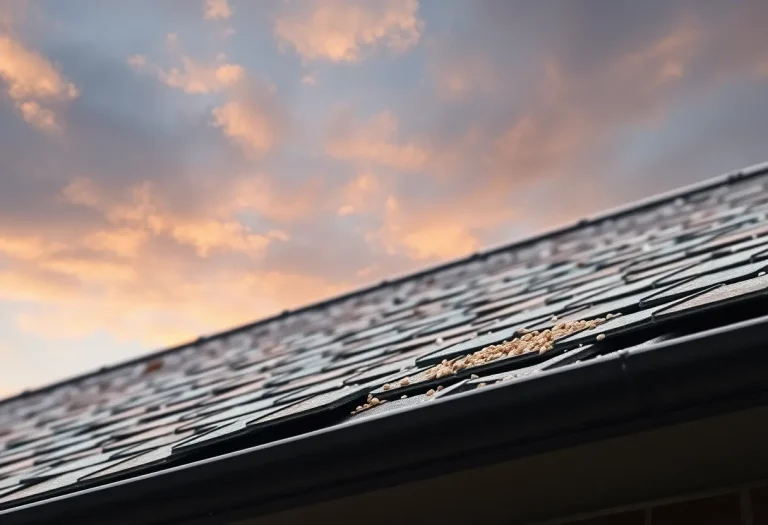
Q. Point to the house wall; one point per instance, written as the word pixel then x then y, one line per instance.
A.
pixel 748 506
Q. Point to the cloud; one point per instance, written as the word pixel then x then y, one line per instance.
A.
pixel 82 191
pixel 164 317
pixel 245 124
pixel 279 201
pixel 28 285
pixel 29 75
pixel 27 248
pixel 492 169
pixel 344 30
pixel 217 10
pixel 193 77
pixel 145 213
pixel 38 116
pixel 208 235
pixel 458 75
pixel 123 242
pixel 251 115
pixel 91 271
pixel 147 286
pixel 137 229
pixel 557 128
pixel 253 118
pixel 374 141
pixel 438 237
pixel 30 80
pixel 360 195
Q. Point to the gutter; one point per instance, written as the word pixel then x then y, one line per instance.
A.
pixel 704 374
pixel 616 213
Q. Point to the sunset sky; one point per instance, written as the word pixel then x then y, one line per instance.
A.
pixel 173 168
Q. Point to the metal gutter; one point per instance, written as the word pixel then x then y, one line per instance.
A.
pixel 616 213
pixel 712 372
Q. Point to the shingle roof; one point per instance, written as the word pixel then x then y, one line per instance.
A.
pixel 653 271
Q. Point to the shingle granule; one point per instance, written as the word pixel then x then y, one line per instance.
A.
pixel 528 342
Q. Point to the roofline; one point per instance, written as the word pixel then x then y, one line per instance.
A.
pixel 611 214
pixel 715 372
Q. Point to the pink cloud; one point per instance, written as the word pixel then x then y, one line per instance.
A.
pixel 247 124
pixel 193 77
pixel 375 141
pixel 342 30
pixel 32 80
pixel 218 10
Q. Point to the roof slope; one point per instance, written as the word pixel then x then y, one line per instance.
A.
pixel 660 270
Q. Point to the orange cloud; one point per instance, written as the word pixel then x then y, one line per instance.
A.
pixel 249 116
pixel 145 213
pixel 31 79
pixel 445 227
pixel 82 191
pixel 531 146
pixel 27 248
pixel 218 10
pixel 91 271
pixel 573 114
pixel 29 74
pixel 193 77
pixel 210 234
pixel 123 242
pixel 357 195
pixel 251 119
pixel 170 309
pixel 135 286
pixel 24 285
pixel 141 209
pixel 263 194
pixel 291 289
pixel 421 238
pixel 246 125
pixel 664 60
pixel 374 141
pixel 38 116
pixel 341 30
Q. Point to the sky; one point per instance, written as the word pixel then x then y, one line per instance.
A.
pixel 170 168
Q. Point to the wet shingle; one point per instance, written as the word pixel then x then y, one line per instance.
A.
pixel 718 296
pixel 320 403
pixel 54 486
pixel 696 284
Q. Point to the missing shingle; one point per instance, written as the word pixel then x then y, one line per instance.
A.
pixel 530 342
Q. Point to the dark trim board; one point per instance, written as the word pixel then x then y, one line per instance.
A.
pixel 653 465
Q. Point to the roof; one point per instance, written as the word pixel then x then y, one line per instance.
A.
pixel 685 268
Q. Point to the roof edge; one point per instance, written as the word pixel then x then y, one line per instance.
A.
pixel 610 214
pixel 646 387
